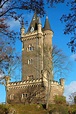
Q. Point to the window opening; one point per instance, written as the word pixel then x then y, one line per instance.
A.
pixel 11 96
pixel 30 48
pixel 30 61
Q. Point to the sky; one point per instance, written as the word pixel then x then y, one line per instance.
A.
pixel 59 39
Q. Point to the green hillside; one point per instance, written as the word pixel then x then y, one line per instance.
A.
pixel 22 109
pixel 36 109
pixel 29 109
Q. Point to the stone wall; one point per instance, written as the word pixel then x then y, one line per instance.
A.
pixel 32 91
pixel 26 92
pixel 56 89
pixel 31 59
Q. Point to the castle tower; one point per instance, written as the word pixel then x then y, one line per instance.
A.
pixel 32 54
pixel 37 85
pixel 35 42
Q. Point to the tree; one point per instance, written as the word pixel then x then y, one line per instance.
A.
pixel 4 109
pixel 60 63
pixel 75 99
pixel 9 59
pixel 34 94
pixel 60 99
pixel 68 19
pixel 9 9
pixel 70 25
pixel 59 106
pixel 56 65
pixel 72 97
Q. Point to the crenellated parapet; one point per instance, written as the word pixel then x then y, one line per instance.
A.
pixel 24 83
pixel 29 83
pixel 60 83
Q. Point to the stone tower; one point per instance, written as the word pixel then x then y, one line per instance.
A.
pixel 35 42
pixel 37 84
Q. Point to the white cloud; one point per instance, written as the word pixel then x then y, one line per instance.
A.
pixel 69 89
pixel 1 77
pixel 13 24
pixel 73 57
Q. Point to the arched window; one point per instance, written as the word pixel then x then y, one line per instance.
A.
pixel 12 97
pixel 30 61
pixel 30 48
pixel 24 95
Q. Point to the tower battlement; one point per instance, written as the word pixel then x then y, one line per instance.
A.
pixel 27 82
pixel 60 83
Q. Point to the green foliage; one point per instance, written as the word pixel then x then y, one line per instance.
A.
pixel 60 109
pixel 22 109
pixel 60 99
pixel 73 109
pixel 75 99
pixel 28 109
pixel 4 109
pixel 37 109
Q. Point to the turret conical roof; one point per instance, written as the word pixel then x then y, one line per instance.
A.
pixel 47 25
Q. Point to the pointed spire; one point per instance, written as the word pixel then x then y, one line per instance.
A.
pixel 22 28
pixel 34 22
pixel 47 25
pixel 22 24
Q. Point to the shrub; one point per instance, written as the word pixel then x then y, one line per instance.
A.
pixel 60 99
pixel 59 109
pixel 4 109
pixel 75 99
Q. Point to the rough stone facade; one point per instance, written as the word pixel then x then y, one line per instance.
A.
pixel 34 91
pixel 36 64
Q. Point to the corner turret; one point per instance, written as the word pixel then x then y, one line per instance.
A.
pixel 22 29
pixel 39 26
pixel 48 34
pixel 62 81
